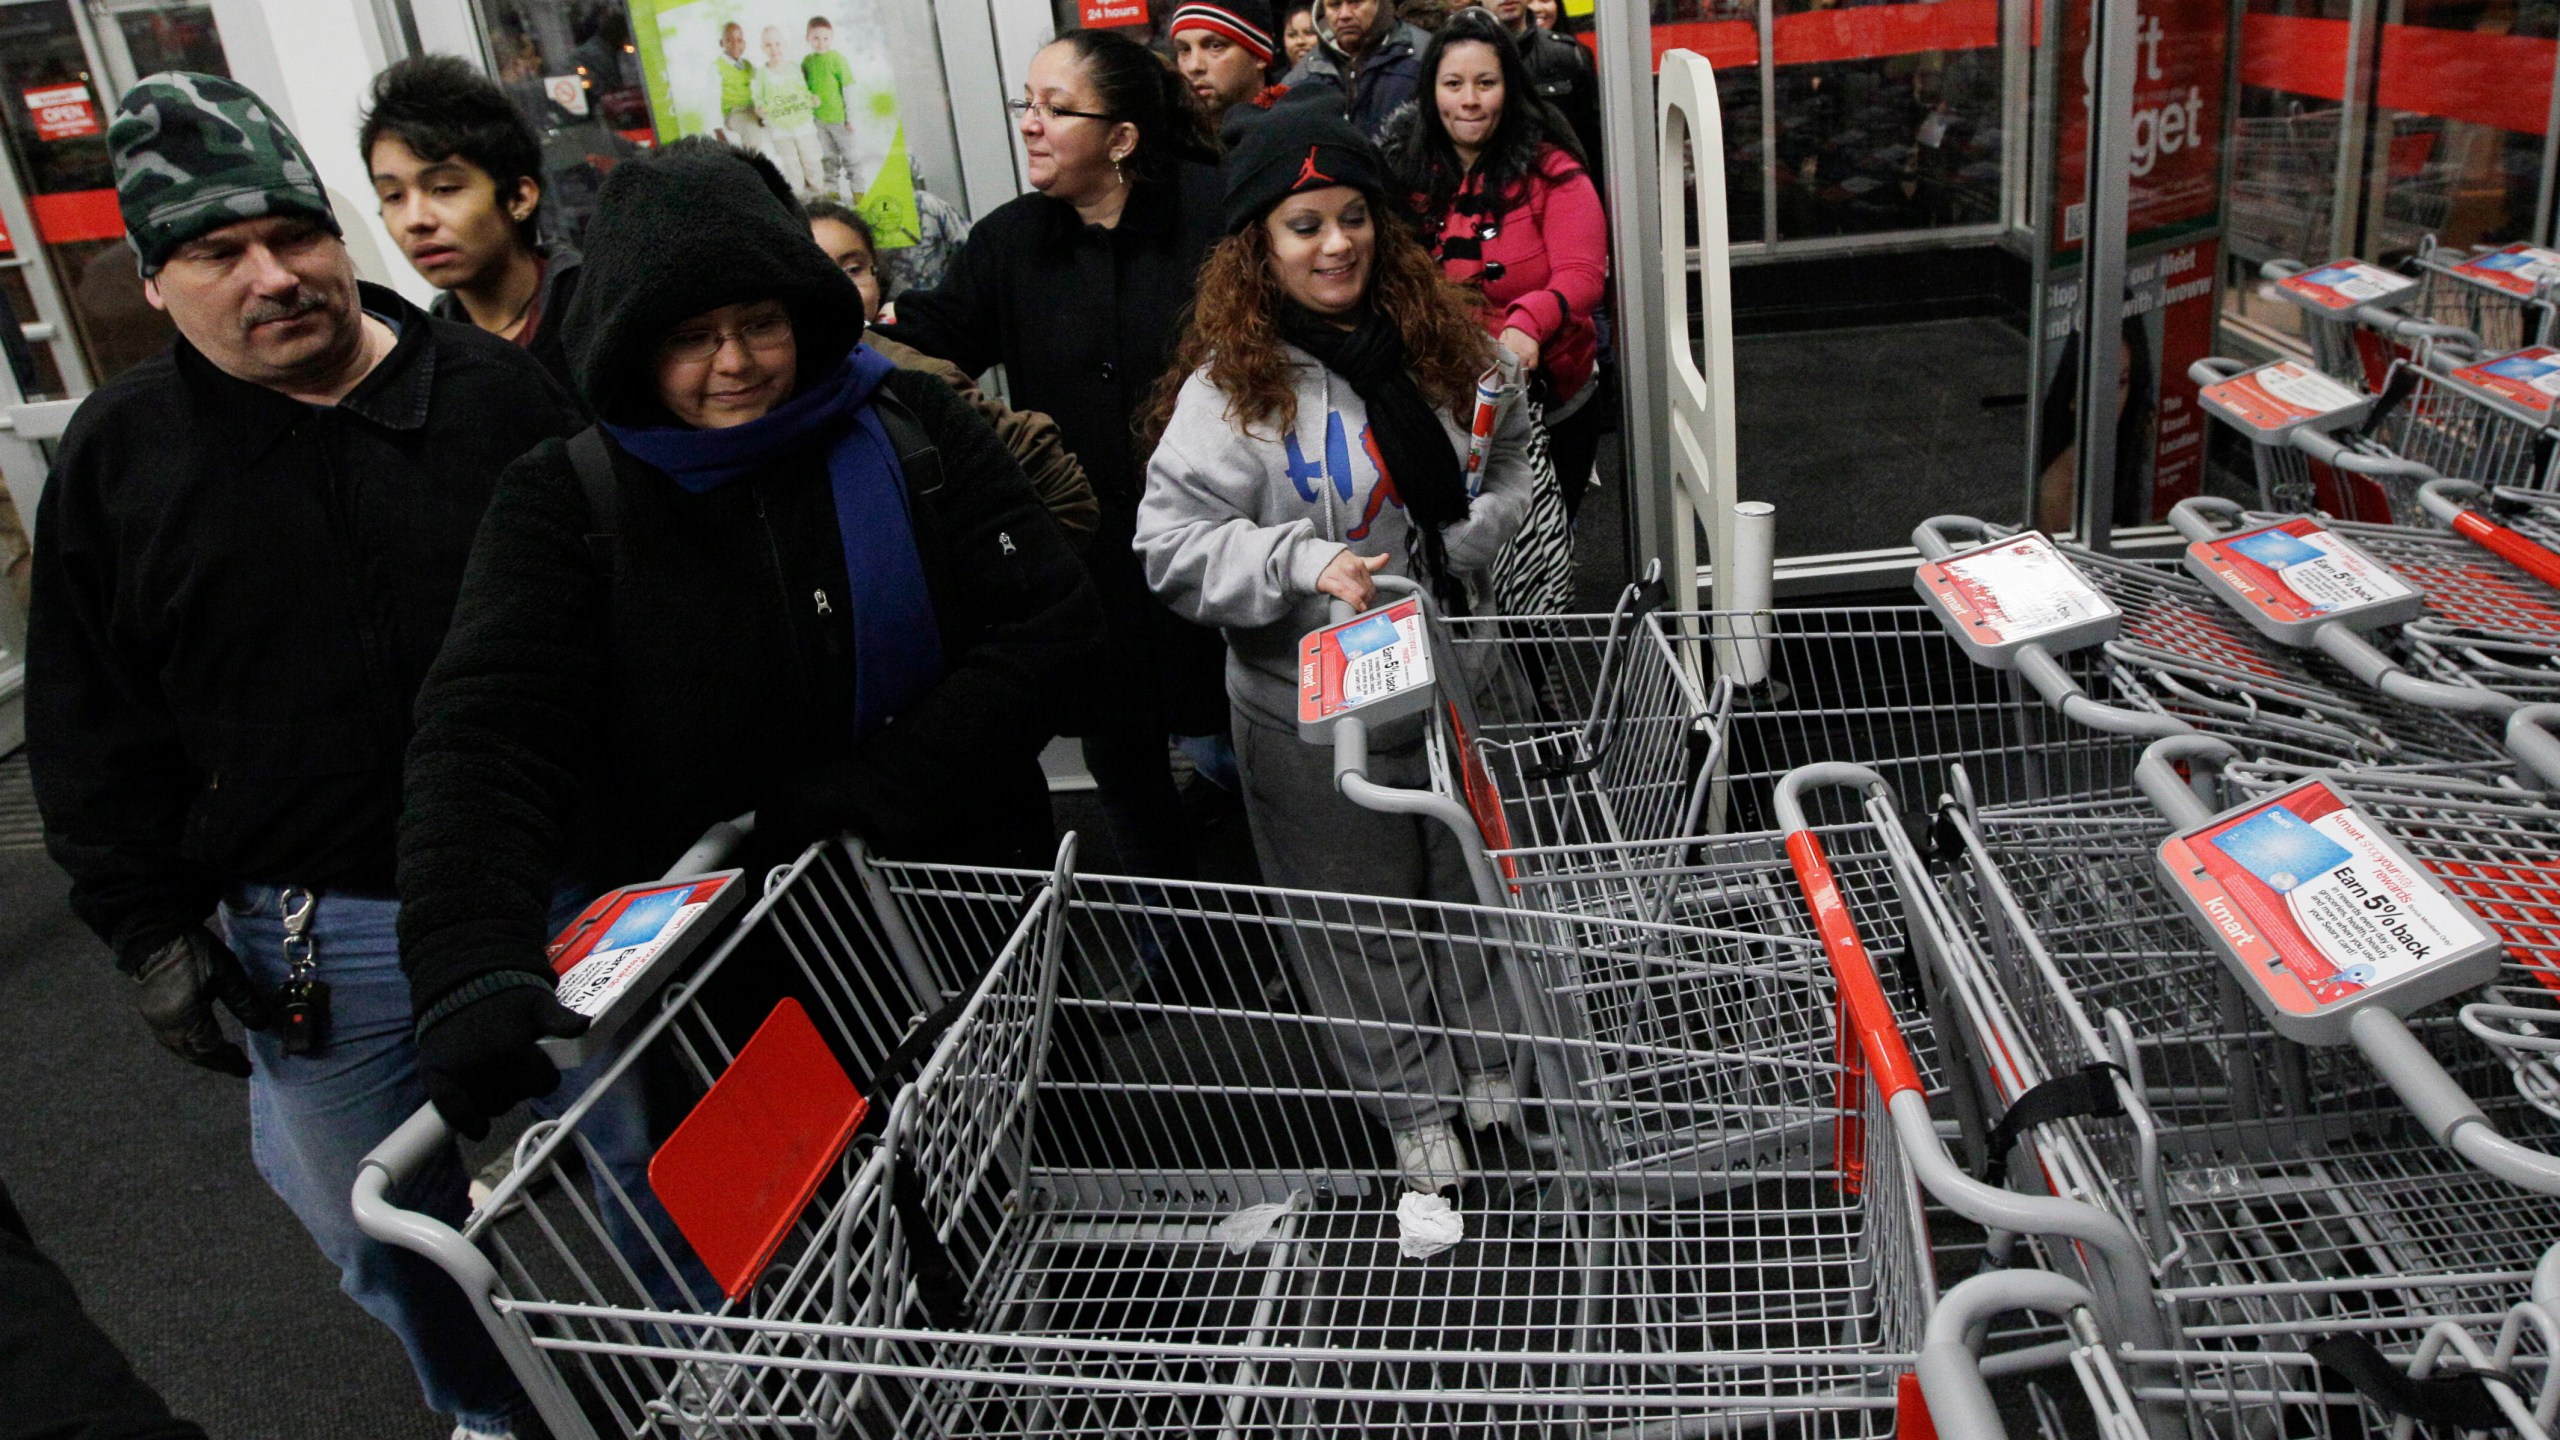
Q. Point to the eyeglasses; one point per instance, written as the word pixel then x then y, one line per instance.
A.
pixel 770 333
pixel 1045 112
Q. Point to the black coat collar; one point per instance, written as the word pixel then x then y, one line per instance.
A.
pixel 245 418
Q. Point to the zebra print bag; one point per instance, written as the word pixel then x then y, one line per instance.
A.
pixel 1534 573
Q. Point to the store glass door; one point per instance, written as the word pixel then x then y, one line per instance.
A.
pixel 66 271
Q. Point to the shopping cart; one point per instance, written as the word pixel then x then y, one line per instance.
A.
pixel 2283 181
pixel 2467 631
pixel 2425 422
pixel 2281 1194
pixel 2454 1378
pixel 2503 294
pixel 1098 1211
pixel 2137 650
pixel 2346 316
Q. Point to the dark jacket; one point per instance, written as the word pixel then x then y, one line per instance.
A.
pixel 236 597
pixel 613 688
pixel 551 300
pixel 1085 321
pixel 1567 79
pixel 1375 89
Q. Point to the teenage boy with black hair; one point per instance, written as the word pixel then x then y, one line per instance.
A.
pixel 458 179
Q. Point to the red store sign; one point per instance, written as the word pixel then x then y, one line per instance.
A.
pixel 63 112
pixel 1099 14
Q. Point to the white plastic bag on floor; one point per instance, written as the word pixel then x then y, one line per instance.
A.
pixel 1426 1225
pixel 1253 1224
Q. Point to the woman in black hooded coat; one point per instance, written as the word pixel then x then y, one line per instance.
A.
pixel 823 591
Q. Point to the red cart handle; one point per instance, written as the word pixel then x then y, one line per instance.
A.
pixel 2449 502
pixel 1864 1008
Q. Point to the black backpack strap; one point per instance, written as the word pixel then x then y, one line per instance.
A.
pixel 918 456
pixel 594 464
pixel 2089 1091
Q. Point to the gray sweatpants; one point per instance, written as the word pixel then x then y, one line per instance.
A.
pixel 1418 1000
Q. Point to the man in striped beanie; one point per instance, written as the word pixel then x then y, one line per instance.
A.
pixel 1223 49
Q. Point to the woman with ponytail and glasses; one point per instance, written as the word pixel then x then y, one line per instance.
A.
pixel 1313 436
pixel 1079 289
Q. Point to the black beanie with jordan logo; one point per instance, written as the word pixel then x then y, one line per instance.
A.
pixel 1298 146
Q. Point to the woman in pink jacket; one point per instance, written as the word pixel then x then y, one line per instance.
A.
pixel 1508 208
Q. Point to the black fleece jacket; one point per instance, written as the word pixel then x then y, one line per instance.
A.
pixel 604 697
pixel 236 597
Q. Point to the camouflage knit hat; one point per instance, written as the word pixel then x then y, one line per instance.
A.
pixel 197 152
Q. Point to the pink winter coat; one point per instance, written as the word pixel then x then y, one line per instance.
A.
pixel 1543 264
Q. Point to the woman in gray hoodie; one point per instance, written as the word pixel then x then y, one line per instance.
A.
pixel 1309 441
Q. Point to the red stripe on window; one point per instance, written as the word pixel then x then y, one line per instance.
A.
pixel 1865 32
pixel 2502 81
pixel 77 215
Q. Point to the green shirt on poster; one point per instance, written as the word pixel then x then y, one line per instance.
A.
pixel 783 101
pixel 737 85
pixel 828 78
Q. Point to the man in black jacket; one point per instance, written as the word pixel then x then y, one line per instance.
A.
pixel 247 555
pixel 734 601
pixel 1564 75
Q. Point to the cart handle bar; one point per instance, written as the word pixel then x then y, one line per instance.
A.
pixel 1932 538
pixel 1951 1378
pixel 2448 502
pixel 2533 737
pixel 2116 1257
pixel 1867 1012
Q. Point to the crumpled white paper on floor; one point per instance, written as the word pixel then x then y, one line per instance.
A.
pixel 1253 1224
pixel 1426 1225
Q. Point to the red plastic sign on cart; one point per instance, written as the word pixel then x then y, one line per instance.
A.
pixel 740 1169
pixel 2290 577
pixel 2343 285
pixel 62 112
pixel 2004 594
pixel 2273 397
pixel 2517 269
pixel 2319 912
pixel 1376 665
pixel 2528 379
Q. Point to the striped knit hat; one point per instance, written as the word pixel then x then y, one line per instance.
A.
pixel 1246 22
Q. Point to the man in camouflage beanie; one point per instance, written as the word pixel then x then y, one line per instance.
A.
pixel 246 558
pixel 197 152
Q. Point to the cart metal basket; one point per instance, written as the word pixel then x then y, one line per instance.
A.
pixel 2182 662
pixel 1099 1209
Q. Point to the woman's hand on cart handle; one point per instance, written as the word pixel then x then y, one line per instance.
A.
pixel 482 1058
pixel 1349 579
pixel 2202 517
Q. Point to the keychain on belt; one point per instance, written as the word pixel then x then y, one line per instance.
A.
pixel 305 995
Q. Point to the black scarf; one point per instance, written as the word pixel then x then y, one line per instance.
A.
pixel 1373 358
pixel 1424 469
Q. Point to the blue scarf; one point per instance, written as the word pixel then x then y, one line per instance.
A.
pixel 897 647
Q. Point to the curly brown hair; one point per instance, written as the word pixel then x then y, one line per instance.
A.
pixel 1235 329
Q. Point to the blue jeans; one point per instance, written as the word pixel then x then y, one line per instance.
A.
pixel 312 1118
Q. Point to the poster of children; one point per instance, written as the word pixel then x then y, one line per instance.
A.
pixel 806 83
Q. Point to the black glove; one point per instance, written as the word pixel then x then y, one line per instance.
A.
pixel 175 987
pixel 484 1058
pixel 801 807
